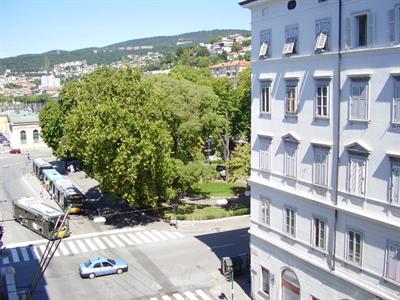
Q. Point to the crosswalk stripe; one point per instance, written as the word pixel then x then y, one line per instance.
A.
pixel 14 255
pixel 134 238
pixel 203 295
pixel 72 247
pixel 117 241
pixel 64 249
pixel 143 237
pixel 169 234
pixel 126 239
pixel 42 249
pixel 25 254
pixel 91 245
pixel 153 299
pixel 6 261
pixel 99 243
pixel 160 235
pixel 108 242
pixel 56 253
pixel 178 234
pixel 165 297
pixel 82 246
pixel 151 236
pixel 178 297
pixel 190 295
pixel 34 253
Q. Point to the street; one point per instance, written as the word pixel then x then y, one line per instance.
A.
pixel 164 262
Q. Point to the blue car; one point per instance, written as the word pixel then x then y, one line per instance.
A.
pixel 99 266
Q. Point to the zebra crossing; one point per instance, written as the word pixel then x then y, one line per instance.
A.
pixel 188 295
pixel 90 244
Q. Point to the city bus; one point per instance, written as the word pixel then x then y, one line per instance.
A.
pixel 40 217
pixel 66 194
pixel 38 165
pixel 49 177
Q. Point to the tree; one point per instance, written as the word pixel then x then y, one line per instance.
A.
pixel 236 47
pixel 239 163
pixel 241 121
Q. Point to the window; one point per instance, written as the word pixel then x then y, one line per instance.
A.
pixel 265 42
pixel 265 97
pixel 322 29
pixel 290 285
pixel 290 221
pixel 291 37
pixel 97 265
pixel 359 100
pixel 395 184
pixel 354 247
pixel 394 24
pixel 319 230
pixel 393 262
pixel 321 166
pixel 290 160
pixel 357 175
pixel 360 29
pixel 396 102
pixel 265 280
pixel 23 137
pixel 322 99
pixel 264 211
pixel 36 136
pixel 265 153
pixel 291 98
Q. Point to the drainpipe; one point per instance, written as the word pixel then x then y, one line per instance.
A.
pixel 337 142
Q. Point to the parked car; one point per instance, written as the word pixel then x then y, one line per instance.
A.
pixel 99 266
pixel 15 151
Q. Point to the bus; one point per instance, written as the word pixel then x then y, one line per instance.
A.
pixel 66 194
pixel 38 165
pixel 49 177
pixel 40 217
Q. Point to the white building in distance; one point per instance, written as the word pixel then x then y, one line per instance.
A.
pixel 325 166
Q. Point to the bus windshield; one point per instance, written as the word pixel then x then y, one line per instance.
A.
pixel 75 199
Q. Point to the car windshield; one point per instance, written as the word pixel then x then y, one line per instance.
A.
pixel 111 261
pixel 87 264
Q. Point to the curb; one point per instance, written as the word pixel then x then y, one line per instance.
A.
pixel 213 220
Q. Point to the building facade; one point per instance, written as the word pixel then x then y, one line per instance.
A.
pixel 325 166
pixel 229 69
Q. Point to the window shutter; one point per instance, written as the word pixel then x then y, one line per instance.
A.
pixel 392 30
pixel 354 107
pixel 392 261
pixel 396 103
pixel 395 185
pixel 361 178
pixel 352 177
pixel 371 28
pixel 348 33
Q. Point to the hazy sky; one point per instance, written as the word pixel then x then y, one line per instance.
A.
pixel 36 26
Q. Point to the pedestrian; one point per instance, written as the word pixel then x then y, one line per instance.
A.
pixel 29 157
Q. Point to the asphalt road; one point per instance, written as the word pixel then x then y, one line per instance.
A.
pixel 163 261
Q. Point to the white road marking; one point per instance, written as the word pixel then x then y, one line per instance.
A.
pixel 91 245
pixel 25 254
pixel 222 246
pixel 160 235
pixel 72 247
pixel 99 243
pixel 178 234
pixel 64 249
pixel 126 239
pixel 6 261
pixel 203 295
pixel 153 299
pixel 178 297
pixel 190 295
pixel 134 238
pixel 165 297
pixel 81 245
pixel 108 242
pixel 169 234
pixel 151 236
pixel 117 241
pixel 56 253
pixel 34 252
pixel 143 237
pixel 14 254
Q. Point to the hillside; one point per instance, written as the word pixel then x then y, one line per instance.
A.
pixel 107 54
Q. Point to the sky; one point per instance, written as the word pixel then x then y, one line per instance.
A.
pixel 37 26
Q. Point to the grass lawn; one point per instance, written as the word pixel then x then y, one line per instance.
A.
pixel 203 212
pixel 221 189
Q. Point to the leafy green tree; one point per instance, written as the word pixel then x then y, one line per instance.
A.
pixel 239 164
pixel 241 121
pixel 52 125
pixel 236 47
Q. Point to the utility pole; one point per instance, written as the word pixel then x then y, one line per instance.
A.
pixel 48 254
pixel 231 277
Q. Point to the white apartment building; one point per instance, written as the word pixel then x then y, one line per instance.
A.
pixel 325 166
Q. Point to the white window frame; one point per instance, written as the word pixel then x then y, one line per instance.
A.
pixel 322 33
pixel 266 280
pixel 357 99
pixel 265 44
pixel 265 153
pixel 290 162
pixel 291 98
pixel 396 246
pixel 291 38
pixel 351 253
pixel 320 170
pixel 394 24
pixel 319 103
pixel 265 211
pixel 265 96
pixel 358 175
pixel 319 228
pixel 396 102
pixel 289 222
pixel 395 183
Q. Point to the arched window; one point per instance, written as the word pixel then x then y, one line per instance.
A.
pixel 290 285
pixel 36 136
pixel 23 137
